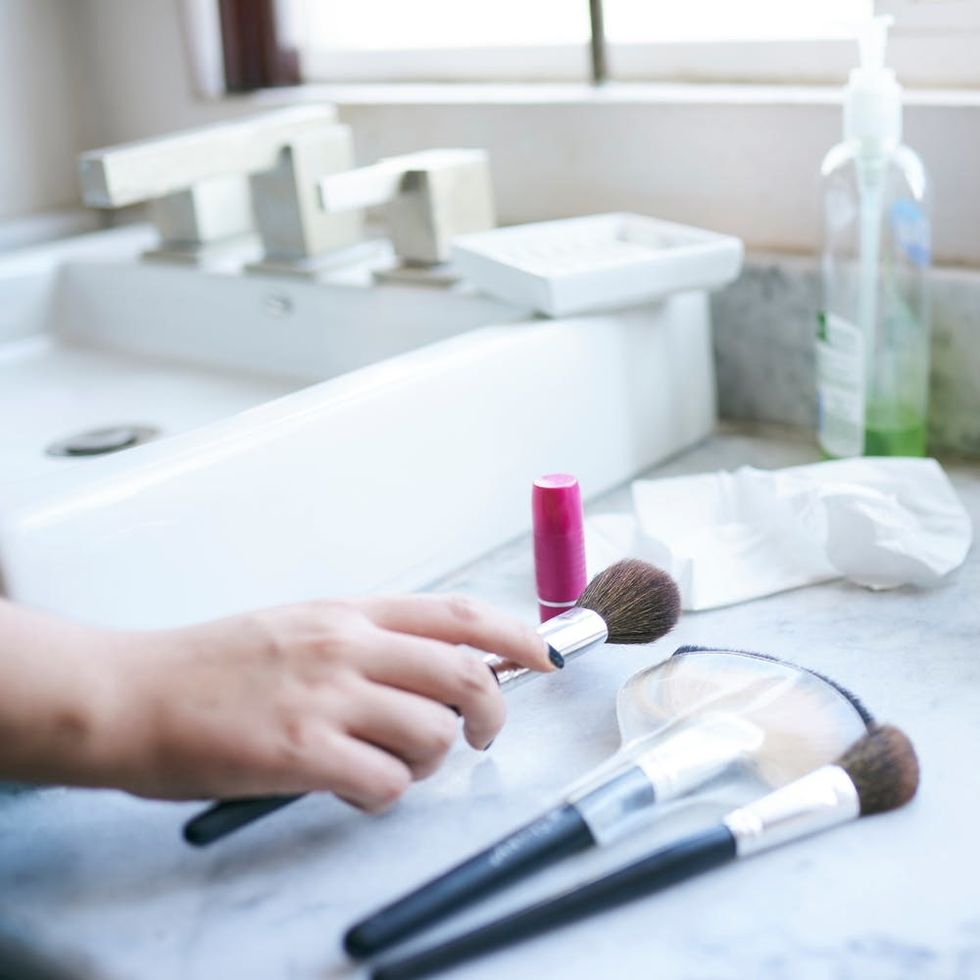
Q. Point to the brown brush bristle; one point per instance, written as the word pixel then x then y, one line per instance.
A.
pixel 639 603
pixel 884 769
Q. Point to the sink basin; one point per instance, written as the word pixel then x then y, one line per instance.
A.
pixel 303 439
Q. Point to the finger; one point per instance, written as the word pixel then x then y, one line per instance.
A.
pixel 443 673
pixel 460 619
pixel 416 729
pixel 362 774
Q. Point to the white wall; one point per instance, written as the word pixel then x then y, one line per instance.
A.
pixel 746 163
pixel 43 118
pixel 138 71
pixel 721 166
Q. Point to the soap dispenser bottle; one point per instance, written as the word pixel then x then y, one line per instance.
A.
pixel 873 330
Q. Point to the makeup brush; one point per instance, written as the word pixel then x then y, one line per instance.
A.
pixel 630 602
pixel 808 719
pixel 684 722
pixel 880 772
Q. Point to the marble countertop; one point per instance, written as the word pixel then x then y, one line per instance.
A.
pixel 105 880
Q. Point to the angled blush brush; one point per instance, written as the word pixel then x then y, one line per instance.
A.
pixel 878 773
pixel 685 721
pixel 630 602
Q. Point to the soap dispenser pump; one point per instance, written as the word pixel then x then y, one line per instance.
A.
pixel 873 330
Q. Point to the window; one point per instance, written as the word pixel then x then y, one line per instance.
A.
pixel 934 41
pixel 446 40
pixel 386 25
pixel 717 20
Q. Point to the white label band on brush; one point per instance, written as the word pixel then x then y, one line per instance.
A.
pixel 556 605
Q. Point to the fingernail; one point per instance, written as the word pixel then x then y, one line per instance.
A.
pixel 486 747
pixel 555 657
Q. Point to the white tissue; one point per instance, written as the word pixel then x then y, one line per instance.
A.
pixel 729 537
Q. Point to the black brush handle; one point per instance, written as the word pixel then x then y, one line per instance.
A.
pixel 222 819
pixel 684 859
pixel 551 837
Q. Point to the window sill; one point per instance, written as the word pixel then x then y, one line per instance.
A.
pixel 580 94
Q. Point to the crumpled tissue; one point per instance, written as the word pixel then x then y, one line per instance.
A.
pixel 728 537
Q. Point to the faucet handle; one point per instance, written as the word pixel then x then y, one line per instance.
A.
pixel 145 170
pixel 430 197
pixel 196 181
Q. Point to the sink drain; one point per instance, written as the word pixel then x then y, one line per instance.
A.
pixel 98 442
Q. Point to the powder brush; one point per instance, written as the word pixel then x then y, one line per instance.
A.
pixel 701 714
pixel 878 773
pixel 630 602
pixel 807 718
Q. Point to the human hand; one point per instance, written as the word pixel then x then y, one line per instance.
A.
pixel 350 696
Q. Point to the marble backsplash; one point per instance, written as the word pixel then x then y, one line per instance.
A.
pixel 763 337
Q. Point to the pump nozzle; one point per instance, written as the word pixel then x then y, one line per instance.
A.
pixel 873 98
pixel 872 41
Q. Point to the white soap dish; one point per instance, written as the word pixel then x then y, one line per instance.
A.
pixel 597 262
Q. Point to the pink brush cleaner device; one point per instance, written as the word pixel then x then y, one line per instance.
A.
pixel 559 543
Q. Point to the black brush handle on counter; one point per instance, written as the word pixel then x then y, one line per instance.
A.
pixel 682 860
pixel 555 835
pixel 226 817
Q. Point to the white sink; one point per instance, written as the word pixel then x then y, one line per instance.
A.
pixel 314 439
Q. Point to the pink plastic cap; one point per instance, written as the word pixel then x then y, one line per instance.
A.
pixel 559 544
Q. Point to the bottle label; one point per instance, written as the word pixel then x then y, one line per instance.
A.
pixel 840 386
pixel 910 228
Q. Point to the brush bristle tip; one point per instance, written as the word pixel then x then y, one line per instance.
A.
pixel 884 769
pixel 638 602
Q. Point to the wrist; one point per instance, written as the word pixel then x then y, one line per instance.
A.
pixel 56 682
pixel 119 690
pixel 104 748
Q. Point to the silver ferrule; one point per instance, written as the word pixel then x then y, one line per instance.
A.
pixel 698 752
pixel 570 634
pixel 677 763
pixel 821 799
pixel 611 810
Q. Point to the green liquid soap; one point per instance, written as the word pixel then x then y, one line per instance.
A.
pixel 904 436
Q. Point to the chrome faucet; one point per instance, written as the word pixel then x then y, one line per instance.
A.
pixel 209 187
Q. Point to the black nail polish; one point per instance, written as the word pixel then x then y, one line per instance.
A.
pixel 486 748
pixel 555 657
